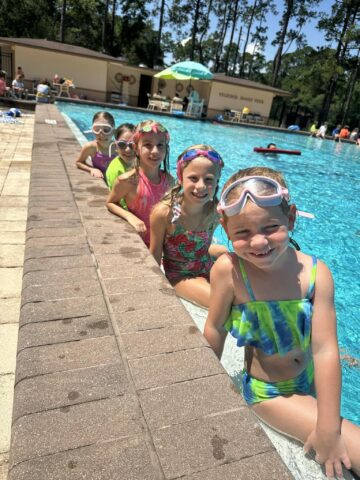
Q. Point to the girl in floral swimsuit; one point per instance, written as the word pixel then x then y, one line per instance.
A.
pixel 183 223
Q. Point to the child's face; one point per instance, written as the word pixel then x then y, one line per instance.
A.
pixel 102 129
pixel 199 180
pixel 260 235
pixel 125 148
pixel 151 149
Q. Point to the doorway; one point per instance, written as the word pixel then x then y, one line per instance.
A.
pixel 144 89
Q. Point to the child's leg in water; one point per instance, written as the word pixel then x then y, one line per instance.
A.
pixel 196 290
pixel 296 416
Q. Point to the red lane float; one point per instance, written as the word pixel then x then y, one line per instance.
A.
pixel 276 150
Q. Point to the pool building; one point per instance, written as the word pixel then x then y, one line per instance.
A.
pixel 100 77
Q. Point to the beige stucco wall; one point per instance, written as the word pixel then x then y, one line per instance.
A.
pixel 130 88
pixel 235 97
pixel 87 73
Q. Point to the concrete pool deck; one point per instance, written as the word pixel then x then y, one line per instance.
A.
pixel 113 378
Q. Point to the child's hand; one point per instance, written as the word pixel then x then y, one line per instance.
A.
pixel 330 451
pixel 95 172
pixel 138 224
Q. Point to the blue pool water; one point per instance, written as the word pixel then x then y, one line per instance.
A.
pixel 324 180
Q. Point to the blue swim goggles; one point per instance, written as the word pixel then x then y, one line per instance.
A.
pixel 264 191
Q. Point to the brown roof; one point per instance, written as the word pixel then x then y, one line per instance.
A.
pixel 221 77
pixel 56 47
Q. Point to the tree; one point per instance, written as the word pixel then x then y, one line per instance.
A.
pixel 104 26
pixel 341 27
pixel 63 21
pixel 301 11
pixel 31 19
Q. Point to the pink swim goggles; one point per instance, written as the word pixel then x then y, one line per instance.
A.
pixel 263 191
pixel 212 155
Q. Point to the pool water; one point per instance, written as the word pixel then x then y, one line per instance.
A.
pixel 324 180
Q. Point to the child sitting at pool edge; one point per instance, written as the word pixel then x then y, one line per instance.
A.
pixel 126 155
pixel 183 223
pixel 143 186
pixel 279 303
pixel 98 150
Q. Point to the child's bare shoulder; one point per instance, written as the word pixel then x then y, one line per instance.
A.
pixel 89 147
pixel 129 177
pixel 161 210
pixel 225 263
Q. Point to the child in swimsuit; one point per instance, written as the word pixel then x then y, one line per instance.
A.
pixel 97 150
pixel 143 186
pixel 279 303
pixel 126 154
pixel 183 223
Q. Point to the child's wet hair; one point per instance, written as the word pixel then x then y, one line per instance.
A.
pixel 104 115
pixel 151 126
pixel 256 171
pixel 124 127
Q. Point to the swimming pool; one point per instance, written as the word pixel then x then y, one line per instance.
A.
pixel 323 181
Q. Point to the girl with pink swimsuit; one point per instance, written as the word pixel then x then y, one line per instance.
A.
pixel 143 186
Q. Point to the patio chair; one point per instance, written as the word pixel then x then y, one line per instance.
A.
pixel 236 116
pixel 64 89
pixel 194 109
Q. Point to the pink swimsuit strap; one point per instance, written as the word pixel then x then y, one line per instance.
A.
pixel 147 195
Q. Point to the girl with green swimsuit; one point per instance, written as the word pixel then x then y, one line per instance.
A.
pixel 279 303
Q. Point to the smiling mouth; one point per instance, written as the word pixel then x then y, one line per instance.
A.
pixel 199 195
pixel 262 254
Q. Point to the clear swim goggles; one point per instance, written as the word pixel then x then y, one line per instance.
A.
pixel 104 128
pixel 212 155
pixel 263 191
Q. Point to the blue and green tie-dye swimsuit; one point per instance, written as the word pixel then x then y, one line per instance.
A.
pixel 275 327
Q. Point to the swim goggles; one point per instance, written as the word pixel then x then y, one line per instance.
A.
pixel 122 145
pixel 152 128
pixel 104 128
pixel 263 191
pixel 212 155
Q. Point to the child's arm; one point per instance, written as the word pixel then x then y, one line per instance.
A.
pixel 121 188
pixel 221 299
pixel 86 151
pixel 326 439
pixel 158 223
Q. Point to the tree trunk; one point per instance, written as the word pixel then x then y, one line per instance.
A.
pixel 231 36
pixel 206 26
pixel 113 12
pixel 222 39
pixel 277 60
pixel 103 36
pixel 158 42
pixel 237 51
pixel 350 88
pixel 63 21
pixel 194 30
pixel 242 65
